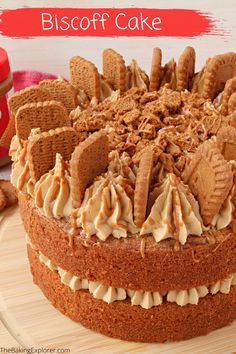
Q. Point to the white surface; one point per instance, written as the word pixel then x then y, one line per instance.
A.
pixel 52 54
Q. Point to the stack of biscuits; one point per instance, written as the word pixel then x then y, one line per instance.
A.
pixel 126 185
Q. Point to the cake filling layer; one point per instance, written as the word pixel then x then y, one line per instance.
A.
pixel 145 299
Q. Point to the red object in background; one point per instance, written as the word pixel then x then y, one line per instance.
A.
pixel 6 84
pixel 20 80
pixel 4 65
pixel 25 78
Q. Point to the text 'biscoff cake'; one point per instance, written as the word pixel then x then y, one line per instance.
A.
pixel 126 186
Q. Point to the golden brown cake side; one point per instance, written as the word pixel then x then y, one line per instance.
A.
pixel 121 320
pixel 119 263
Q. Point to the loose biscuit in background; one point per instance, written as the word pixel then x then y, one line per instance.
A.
pixel 43 115
pixel 9 191
pixel 3 200
pixel 142 186
pixel 89 160
pixel 114 69
pixel 84 75
pixel 210 179
pixel 43 147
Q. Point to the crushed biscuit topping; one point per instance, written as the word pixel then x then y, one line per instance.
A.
pixel 173 123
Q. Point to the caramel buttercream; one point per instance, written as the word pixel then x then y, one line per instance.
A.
pixel 52 192
pixel 175 213
pixel 20 175
pixel 107 209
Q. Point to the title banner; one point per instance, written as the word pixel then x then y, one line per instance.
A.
pixel 106 22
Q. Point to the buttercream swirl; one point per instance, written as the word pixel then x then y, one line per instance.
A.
pixel 20 175
pixel 52 192
pixel 175 213
pixel 145 299
pixel 189 296
pixel 107 209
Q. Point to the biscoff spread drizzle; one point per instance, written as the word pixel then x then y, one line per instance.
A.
pixel 175 212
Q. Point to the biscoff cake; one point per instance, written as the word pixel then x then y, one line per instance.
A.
pixel 126 186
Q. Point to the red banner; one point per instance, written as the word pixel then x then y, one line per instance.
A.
pixel 106 22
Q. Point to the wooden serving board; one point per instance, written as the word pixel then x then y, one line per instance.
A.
pixel 28 319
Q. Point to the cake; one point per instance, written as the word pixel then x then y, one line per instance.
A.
pixel 126 187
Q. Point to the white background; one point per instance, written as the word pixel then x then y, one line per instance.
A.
pixel 51 54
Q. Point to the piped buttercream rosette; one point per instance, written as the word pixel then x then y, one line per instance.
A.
pixel 175 212
pixel 107 209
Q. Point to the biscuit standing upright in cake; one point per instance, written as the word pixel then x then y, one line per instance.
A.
pixel 142 186
pixel 229 90
pixel 85 76
pixel 211 80
pixel 44 115
pixel 155 74
pixel 43 147
pixel 114 69
pixel 30 94
pixel 185 69
pixel 210 179
pixel 62 91
pixel 89 160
